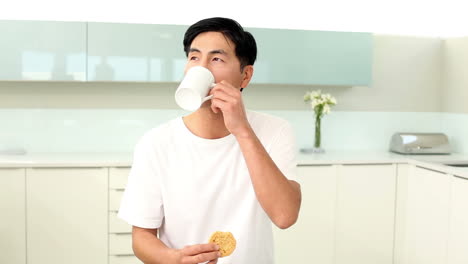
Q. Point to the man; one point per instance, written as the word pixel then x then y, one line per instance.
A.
pixel 220 168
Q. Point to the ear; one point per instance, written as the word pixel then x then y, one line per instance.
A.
pixel 247 73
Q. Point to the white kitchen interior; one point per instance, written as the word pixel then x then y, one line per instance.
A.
pixel 66 150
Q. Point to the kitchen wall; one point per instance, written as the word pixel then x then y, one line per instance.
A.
pixel 405 96
pixel 455 95
pixel 455 75
pixel 116 130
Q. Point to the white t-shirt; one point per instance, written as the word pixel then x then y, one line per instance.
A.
pixel 189 187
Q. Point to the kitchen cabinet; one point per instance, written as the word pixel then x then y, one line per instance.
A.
pixel 154 53
pixel 43 50
pixel 365 213
pixel 347 216
pixel 311 239
pixel 312 57
pixel 120 233
pixel 135 52
pixel 13 210
pixel 67 219
pixel 92 51
pixel 403 171
pixel 426 217
pixel 458 232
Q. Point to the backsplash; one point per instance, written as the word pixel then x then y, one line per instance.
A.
pixel 456 128
pixel 117 130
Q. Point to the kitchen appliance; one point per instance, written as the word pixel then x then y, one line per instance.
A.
pixel 420 143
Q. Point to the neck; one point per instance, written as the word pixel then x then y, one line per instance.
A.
pixel 205 123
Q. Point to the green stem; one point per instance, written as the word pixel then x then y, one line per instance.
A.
pixel 318 137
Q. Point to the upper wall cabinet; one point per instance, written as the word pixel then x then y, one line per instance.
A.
pixel 135 52
pixel 43 50
pixel 80 51
pixel 312 57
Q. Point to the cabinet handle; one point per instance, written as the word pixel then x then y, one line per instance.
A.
pixel 460 177
pixel 367 164
pixel 424 168
pixel 124 255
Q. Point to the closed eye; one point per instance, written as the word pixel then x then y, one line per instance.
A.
pixel 193 58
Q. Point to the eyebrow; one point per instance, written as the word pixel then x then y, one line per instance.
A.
pixel 218 51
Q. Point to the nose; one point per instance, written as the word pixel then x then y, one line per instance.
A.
pixel 203 63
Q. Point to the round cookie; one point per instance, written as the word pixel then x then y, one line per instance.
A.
pixel 225 241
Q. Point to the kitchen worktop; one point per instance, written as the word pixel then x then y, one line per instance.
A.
pixel 66 160
pixel 434 162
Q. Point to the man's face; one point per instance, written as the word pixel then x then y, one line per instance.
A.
pixel 217 53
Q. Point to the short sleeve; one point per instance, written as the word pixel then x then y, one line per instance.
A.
pixel 141 204
pixel 283 151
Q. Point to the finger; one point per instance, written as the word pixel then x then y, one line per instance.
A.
pixel 222 95
pixel 199 248
pixel 227 87
pixel 203 257
pixel 214 261
pixel 218 105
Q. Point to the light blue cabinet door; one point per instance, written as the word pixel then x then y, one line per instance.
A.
pixel 42 50
pixel 135 52
pixel 312 57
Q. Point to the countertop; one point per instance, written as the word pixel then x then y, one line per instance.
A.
pixel 66 160
pixel 434 162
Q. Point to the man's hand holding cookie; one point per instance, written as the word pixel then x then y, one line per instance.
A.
pixel 220 244
pixel 200 253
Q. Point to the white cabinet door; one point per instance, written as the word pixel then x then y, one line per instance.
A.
pixel 67 215
pixel 400 213
pixel 13 216
pixel 135 52
pixel 458 234
pixel 43 50
pixel 311 239
pixel 427 208
pixel 365 214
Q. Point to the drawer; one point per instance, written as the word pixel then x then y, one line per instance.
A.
pixel 118 177
pixel 115 196
pixel 120 244
pixel 124 259
pixel 117 225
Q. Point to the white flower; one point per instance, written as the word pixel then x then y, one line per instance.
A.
pixel 326 109
pixel 315 93
pixel 314 103
pixel 320 103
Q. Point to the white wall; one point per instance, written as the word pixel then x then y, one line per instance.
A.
pixel 455 92
pixel 455 75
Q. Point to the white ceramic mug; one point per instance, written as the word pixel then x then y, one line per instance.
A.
pixel 194 88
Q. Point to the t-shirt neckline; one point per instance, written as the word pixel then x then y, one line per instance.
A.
pixel 201 140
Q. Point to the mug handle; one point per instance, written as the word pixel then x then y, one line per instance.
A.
pixel 209 96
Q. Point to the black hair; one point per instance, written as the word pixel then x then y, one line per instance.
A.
pixel 246 47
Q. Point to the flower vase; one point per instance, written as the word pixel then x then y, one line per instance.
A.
pixel 317 138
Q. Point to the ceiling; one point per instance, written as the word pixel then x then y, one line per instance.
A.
pixel 433 18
